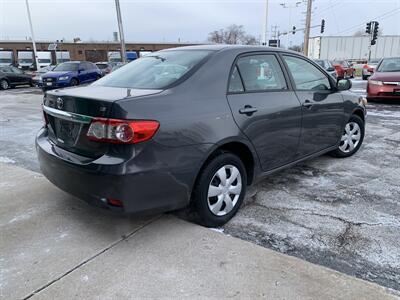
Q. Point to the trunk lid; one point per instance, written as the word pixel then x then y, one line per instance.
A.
pixel 69 113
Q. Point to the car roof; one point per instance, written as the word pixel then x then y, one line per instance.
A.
pixel 223 47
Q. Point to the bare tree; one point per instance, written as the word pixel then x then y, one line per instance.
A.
pixel 233 34
pixel 297 48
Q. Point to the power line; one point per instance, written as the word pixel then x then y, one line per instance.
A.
pixel 387 14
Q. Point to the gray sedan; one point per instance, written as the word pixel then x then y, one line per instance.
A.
pixel 193 127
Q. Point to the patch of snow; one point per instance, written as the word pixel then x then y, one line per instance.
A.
pixel 6 160
pixel 220 230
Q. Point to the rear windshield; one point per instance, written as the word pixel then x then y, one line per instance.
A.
pixel 67 67
pixel 155 71
pixel 102 66
pixel 389 65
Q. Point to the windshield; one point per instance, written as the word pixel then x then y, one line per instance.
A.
pixel 5 60
pixel 44 60
pixel 61 60
pixel 155 71
pixel 25 61
pixel 373 62
pixel 67 67
pixel 389 65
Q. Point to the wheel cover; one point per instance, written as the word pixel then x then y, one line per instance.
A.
pixel 4 84
pixel 350 138
pixel 224 190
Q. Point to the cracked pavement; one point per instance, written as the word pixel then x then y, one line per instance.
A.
pixel 339 213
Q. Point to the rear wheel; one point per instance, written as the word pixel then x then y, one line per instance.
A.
pixel 4 85
pixel 352 138
pixel 220 189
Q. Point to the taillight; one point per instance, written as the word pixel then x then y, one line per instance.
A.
pixel 121 131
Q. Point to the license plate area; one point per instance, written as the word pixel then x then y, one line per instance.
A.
pixel 67 132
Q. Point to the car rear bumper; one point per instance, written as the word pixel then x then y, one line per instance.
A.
pixel 141 189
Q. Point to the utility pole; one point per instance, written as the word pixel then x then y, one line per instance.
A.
pixel 121 31
pixel 307 29
pixel 290 7
pixel 32 35
pixel 265 25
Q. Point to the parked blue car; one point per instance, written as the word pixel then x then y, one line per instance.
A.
pixel 71 73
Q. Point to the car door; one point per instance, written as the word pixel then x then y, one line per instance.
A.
pixel 83 72
pixel 322 105
pixel 265 108
pixel 20 76
pixel 11 76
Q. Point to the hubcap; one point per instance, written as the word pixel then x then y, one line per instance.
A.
pixel 224 190
pixel 4 84
pixel 350 138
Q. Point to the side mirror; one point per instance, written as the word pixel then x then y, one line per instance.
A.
pixel 371 70
pixel 81 70
pixel 344 84
pixel 330 69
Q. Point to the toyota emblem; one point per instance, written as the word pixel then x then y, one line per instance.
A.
pixel 60 103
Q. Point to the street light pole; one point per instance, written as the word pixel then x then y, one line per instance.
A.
pixel 32 35
pixel 121 31
pixel 307 29
pixel 265 25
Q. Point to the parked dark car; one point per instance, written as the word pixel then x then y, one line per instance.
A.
pixel 37 75
pixel 146 138
pixel 70 74
pixel 327 66
pixel 384 83
pixel 11 77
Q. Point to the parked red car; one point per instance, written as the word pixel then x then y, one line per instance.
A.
pixel 344 69
pixel 385 82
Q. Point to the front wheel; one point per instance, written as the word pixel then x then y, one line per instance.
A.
pixel 352 138
pixel 220 189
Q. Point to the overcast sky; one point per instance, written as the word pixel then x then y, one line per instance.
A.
pixel 187 20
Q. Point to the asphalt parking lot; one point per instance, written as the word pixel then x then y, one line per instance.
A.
pixel 340 213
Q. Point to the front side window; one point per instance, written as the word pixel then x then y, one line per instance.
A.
pixel 155 71
pixel 261 73
pixel 305 75
pixel 16 70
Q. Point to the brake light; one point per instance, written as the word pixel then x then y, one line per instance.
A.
pixel 121 131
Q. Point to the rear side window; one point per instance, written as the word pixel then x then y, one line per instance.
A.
pixel 261 72
pixel 305 75
pixel 235 83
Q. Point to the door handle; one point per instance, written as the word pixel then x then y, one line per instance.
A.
pixel 307 104
pixel 248 110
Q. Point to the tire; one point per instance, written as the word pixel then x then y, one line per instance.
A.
pixel 74 82
pixel 4 85
pixel 352 75
pixel 31 83
pixel 345 148
pixel 364 77
pixel 224 208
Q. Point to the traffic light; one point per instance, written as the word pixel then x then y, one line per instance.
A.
pixel 322 26
pixel 294 30
pixel 368 28
pixel 376 30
